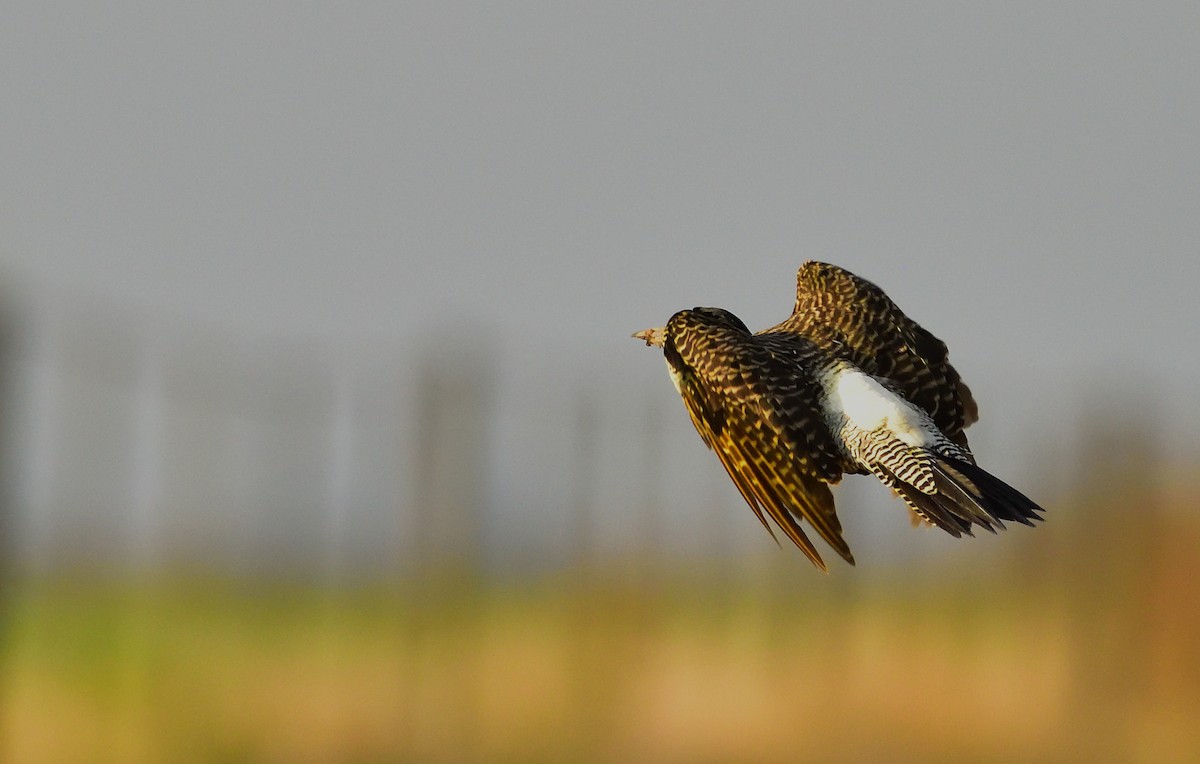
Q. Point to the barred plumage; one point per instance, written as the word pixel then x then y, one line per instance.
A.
pixel 788 411
pixel 841 311
pixel 751 400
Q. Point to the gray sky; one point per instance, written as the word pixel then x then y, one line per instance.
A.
pixel 1023 178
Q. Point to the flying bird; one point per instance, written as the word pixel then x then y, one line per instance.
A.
pixel 847 385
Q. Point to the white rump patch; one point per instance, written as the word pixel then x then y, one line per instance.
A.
pixel 870 406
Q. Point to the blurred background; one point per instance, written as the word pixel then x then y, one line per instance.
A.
pixel 323 437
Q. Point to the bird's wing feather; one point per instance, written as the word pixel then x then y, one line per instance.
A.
pixel 840 311
pixel 760 413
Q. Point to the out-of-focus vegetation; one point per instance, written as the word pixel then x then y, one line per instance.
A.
pixel 1080 641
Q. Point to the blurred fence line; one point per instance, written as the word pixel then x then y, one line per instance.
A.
pixel 138 441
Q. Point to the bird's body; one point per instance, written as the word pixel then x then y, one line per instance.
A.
pixel 790 410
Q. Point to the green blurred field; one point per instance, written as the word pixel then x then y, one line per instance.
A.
pixel 1034 656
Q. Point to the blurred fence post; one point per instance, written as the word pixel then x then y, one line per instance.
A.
pixel 339 479
pixel 1106 568
pixel 453 399
pixel 581 528
pixel 8 475
pixel 148 446
pixel 651 546
pixel 453 402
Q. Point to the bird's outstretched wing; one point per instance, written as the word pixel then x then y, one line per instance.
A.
pixel 850 316
pixel 756 407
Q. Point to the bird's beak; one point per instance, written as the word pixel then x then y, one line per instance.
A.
pixel 652 337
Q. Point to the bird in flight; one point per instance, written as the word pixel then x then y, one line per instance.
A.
pixel 848 384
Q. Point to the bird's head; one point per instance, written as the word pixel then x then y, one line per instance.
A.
pixel 696 319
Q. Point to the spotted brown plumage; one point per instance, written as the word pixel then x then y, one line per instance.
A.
pixel 788 415
pixel 838 310
pixel 754 403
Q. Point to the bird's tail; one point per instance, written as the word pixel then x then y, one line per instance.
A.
pixel 965 494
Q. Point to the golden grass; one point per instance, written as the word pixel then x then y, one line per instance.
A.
pixel 682 667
